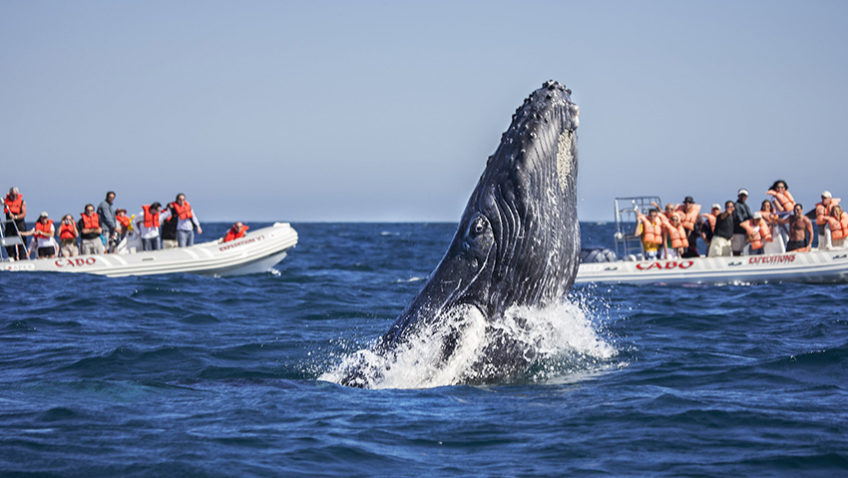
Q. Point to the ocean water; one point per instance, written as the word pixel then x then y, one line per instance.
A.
pixel 185 375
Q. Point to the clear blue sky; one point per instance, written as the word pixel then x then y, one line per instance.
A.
pixel 311 111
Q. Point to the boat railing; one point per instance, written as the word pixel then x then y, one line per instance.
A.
pixel 12 239
pixel 628 246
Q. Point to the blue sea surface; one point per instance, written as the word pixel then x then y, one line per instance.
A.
pixel 190 375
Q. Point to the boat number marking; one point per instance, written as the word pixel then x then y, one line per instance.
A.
pixel 665 265
pixel 78 262
pixel 20 267
pixel 771 259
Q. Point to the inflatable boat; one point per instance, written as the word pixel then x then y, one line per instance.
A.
pixel 258 251
pixel 627 264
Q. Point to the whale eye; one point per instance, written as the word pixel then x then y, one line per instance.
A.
pixel 478 226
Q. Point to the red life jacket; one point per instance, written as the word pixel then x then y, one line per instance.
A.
pixel 44 230
pixel 234 234
pixel 15 206
pixel 91 222
pixel 67 231
pixel 184 211
pixel 123 220
pixel 838 228
pixel 150 219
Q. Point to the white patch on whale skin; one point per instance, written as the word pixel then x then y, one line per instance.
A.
pixel 564 157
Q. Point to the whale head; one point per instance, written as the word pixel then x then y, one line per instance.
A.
pixel 518 240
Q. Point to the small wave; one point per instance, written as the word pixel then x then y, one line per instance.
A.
pixel 410 280
pixel 526 344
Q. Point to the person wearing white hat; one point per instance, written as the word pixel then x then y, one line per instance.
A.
pixel 44 233
pixel 741 213
pixel 823 209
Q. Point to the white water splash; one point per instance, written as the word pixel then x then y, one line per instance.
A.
pixel 557 341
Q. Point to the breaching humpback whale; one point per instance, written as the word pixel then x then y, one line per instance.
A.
pixel 517 244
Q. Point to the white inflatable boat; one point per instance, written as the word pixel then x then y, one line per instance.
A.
pixel 258 251
pixel 822 265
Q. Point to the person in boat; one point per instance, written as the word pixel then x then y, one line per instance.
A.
pixel 43 233
pixel 783 200
pixel 238 230
pixel 770 216
pixel 169 228
pixel 90 231
pixel 708 223
pixel 15 208
pixel 68 234
pixel 648 228
pixel 147 223
pixel 758 234
pixel 741 213
pixel 823 210
pixel 838 224
pixel 723 232
pixel 690 214
pixel 800 230
pixel 674 238
pixel 107 220
pixel 123 225
pixel 187 221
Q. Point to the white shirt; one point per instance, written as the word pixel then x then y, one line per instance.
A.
pixel 147 232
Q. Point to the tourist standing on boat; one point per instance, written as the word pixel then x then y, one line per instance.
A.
pixel 90 230
pixel 757 234
pixel 823 210
pixel 769 216
pixel 169 229
pixel 187 221
pixel 107 220
pixel 68 235
pixel 674 238
pixel 800 230
pixel 147 222
pixel 838 223
pixel 783 200
pixel 690 214
pixel 741 213
pixel 723 232
pixel 43 232
pixel 15 208
pixel 708 223
pixel 649 228
pixel 123 224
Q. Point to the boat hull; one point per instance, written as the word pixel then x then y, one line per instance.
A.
pixel 826 266
pixel 257 251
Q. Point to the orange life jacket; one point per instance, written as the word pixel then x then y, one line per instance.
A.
pixel 711 219
pixel 184 211
pixel 756 236
pixel 67 231
pixel 150 219
pixel 688 219
pixel 91 222
pixel 785 201
pixel 15 206
pixel 234 234
pixel 838 227
pixel 823 212
pixel 123 220
pixel 677 236
pixel 43 230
